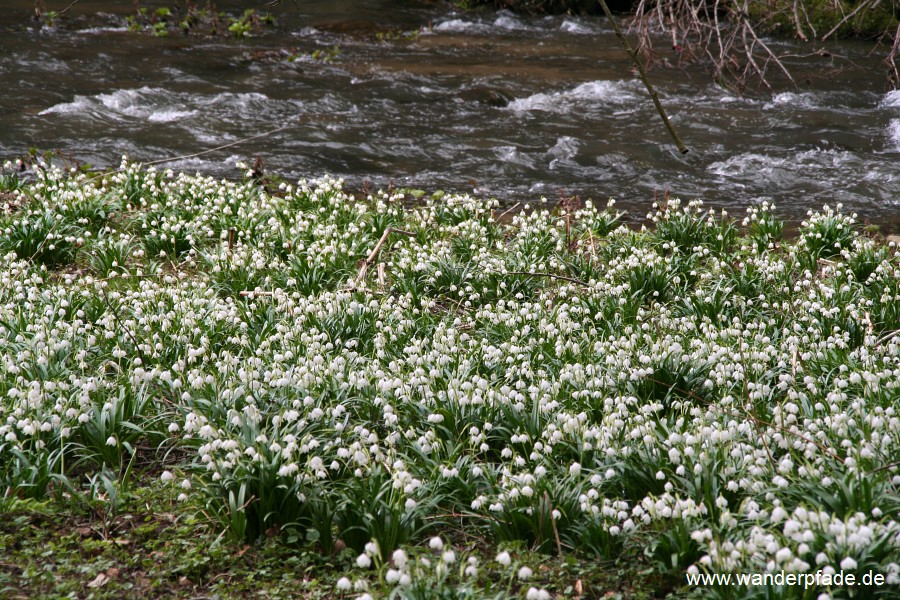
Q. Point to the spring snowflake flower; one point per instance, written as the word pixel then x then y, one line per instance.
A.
pixel 537 594
pixel 363 561
pixel 436 543
pixel 400 558
pixel 848 564
pixel 166 476
pixel 343 584
pixel 504 559
pixel 525 573
pixel 449 557
pixel 111 441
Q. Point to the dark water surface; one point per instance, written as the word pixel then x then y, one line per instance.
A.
pixel 497 104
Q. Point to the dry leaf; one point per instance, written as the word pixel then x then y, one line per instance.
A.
pixel 99 580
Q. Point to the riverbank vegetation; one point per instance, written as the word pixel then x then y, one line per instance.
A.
pixel 729 36
pixel 212 387
pixel 735 39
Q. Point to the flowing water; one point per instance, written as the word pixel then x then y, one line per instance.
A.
pixel 420 95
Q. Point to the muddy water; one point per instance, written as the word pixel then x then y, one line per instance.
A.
pixel 427 97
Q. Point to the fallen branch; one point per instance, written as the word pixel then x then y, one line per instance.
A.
pixel 363 269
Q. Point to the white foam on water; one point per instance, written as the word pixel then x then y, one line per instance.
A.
pixel 157 105
pixel 792 99
pixel 509 22
pixel 565 148
pixel 610 92
pixel 572 26
pixel 167 116
pixel 563 151
pixel 893 135
pixel 456 26
pixel 891 99
pixel 748 163
pixel 96 30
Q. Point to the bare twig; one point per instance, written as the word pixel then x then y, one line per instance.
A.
pixel 553 523
pixel 800 33
pixel 853 13
pixel 74 2
pixel 363 269
pixel 890 60
pixel 551 275
pixel 643 73
pixel 241 141
pixel 507 211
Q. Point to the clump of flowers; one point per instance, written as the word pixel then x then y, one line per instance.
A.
pixel 575 387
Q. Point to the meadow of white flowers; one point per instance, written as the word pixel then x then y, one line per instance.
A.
pixel 705 390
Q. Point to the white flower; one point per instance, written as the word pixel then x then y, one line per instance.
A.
pixel 111 441
pixel 436 543
pixel 525 573
pixel 186 484
pixel 166 476
pixel 343 584
pixel 504 559
pixel 848 564
pixel 449 556
pixel 363 561
pixel 400 558
pixel 574 469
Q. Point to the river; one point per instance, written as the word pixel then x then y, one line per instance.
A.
pixel 420 95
